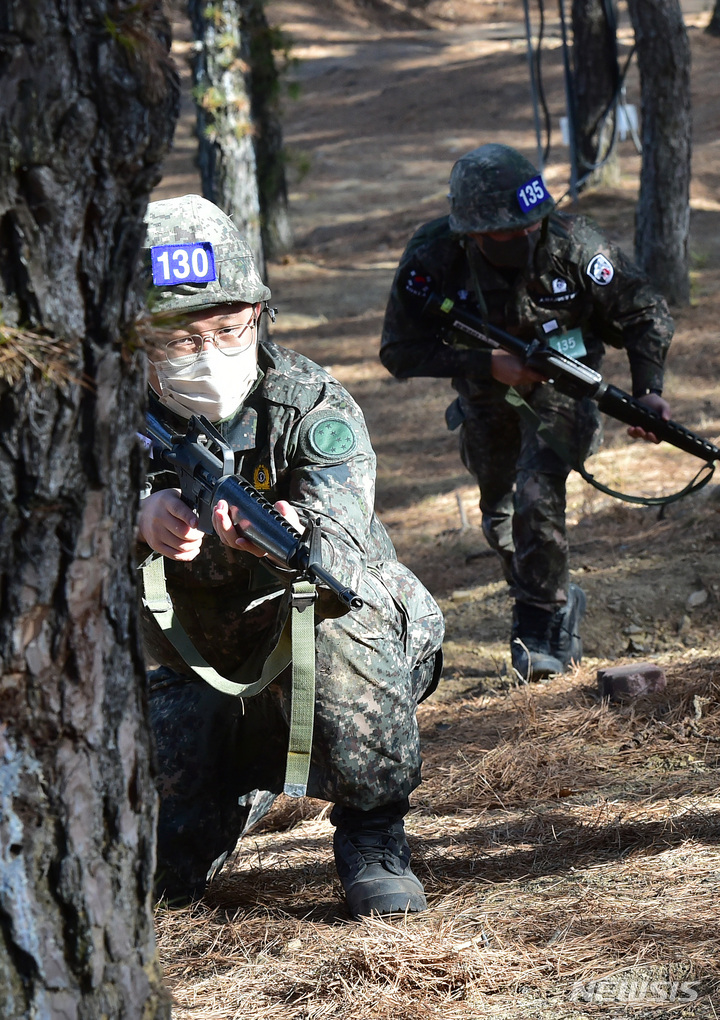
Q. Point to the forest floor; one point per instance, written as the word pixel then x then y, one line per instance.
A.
pixel 569 846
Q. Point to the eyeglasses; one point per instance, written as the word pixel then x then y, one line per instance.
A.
pixel 228 340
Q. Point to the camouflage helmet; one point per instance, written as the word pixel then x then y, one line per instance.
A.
pixel 196 258
pixel 494 188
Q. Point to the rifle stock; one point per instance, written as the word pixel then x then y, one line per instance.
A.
pixel 205 478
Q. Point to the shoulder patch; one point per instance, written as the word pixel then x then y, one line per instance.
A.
pixel 600 269
pixel 327 436
pixel 417 284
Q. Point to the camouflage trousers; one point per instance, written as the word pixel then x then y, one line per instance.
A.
pixel 372 669
pixel 522 482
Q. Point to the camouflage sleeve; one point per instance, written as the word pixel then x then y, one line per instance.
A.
pixel 332 479
pixel 630 313
pixel 412 344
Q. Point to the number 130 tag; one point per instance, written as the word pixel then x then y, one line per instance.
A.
pixel 183 263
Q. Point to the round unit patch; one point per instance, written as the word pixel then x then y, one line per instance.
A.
pixel 331 438
pixel 600 269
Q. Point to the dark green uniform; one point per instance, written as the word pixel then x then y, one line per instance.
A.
pixel 299 437
pixel 577 279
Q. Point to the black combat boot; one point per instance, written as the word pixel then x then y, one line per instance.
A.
pixel 531 645
pixel 546 642
pixel 372 859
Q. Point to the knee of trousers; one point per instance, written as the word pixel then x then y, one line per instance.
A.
pixel 541 494
pixel 366 745
pixel 498 532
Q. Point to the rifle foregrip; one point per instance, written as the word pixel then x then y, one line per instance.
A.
pixel 267 528
pixel 625 408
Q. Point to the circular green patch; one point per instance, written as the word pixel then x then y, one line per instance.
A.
pixel 331 437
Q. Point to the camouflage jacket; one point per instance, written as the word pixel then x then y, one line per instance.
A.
pixel 577 278
pixel 300 437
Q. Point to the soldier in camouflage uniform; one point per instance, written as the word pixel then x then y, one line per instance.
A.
pixel 505 254
pixel 301 440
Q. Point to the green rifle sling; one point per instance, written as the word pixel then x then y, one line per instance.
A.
pixel 296 644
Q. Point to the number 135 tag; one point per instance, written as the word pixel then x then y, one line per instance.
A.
pixel 570 343
pixel 183 263
pixel 532 193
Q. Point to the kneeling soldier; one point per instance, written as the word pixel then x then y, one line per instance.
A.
pixel 299 438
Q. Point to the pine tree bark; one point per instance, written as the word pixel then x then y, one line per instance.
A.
pixel 260 40
pixel 226 149
pixel 239 129
pixel 663 212
pixel 88 101
pixel 595 75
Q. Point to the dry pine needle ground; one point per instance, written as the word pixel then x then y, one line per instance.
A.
pixel 583 843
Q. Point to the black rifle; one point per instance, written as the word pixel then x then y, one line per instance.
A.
pixel 205 478
pixel 573 378
pixel 576 380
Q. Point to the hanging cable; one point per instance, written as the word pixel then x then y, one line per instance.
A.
pixel 611 111
pixel 569 104
pixel 540 102
pixel 539 81
pixel 533 85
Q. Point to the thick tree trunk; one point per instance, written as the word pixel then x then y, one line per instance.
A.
pixel 663 213
pixel 226 154
pixel 87 107
pixel 595 74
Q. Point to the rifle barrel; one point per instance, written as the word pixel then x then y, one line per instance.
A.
pixel 625 408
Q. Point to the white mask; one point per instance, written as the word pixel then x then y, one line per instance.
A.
pixel 214 384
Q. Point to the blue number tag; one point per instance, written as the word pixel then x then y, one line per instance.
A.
pixel 183 263
pixel 532 194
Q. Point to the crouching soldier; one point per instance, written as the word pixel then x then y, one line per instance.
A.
pixel 299 438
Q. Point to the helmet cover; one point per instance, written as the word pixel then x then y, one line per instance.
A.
pixel 196 258
pixel 495 188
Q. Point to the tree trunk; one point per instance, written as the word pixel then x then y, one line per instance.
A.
pixel 663 213
pixel 713 26
pixel 226 155
pixel 261 41
pixel 595 74
pixel 88 100
pixel 239 129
